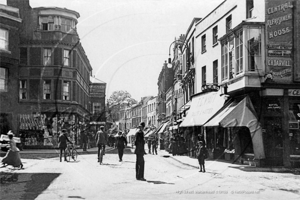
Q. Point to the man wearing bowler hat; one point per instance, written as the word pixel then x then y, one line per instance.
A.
pixel 140 151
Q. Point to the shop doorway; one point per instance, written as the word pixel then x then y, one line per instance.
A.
pixel 273 140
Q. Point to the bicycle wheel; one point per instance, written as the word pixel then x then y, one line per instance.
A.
pixel 68 155
pixel 74 154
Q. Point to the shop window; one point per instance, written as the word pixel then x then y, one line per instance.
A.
pixel 215 72
pixel 47 56
pixel 228 23
pixel 66 58
pixel 3 39
pixel 3 79
pixel 203 43
pixel 23 89
pixel 66 90
pixel 47 89
pixel 215 35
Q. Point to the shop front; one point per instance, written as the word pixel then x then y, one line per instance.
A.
pixel 203 107
pixel 281 128
pixel 41 130
pixel 237 132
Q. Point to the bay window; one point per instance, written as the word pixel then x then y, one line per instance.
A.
pixel 23 89
pixel 3 39
pixel 66 90
pixel 47 89
pixel 47 56
pixel 3 79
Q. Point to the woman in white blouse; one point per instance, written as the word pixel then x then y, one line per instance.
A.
pixel 12 156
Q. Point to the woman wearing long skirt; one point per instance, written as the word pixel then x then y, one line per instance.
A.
pixel 12 156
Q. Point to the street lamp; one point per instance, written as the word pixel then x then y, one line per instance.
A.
pixel 169 59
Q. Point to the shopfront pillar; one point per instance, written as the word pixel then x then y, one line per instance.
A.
pixel 285 129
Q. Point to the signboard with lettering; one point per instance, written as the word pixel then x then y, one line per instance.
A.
pixel 294 92
pixel 279 38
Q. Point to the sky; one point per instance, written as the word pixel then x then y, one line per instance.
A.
pixel 127 41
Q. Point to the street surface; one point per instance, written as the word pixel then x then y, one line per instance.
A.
pixel 47 178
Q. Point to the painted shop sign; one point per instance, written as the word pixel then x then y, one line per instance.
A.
pixel 279 62
pixel 279 28
pixel 279 53
pixel 294 92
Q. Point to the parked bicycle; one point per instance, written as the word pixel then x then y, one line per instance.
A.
pixel 71 152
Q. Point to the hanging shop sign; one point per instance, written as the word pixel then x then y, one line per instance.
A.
pixel 279 28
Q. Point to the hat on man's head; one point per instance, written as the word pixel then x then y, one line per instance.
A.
pixel 101 127
pixel 10 133
pixel 142 124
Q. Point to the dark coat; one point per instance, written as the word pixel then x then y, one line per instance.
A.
pixel 121 142
pixel 62 141
pixel 139 143
pixel 202 153
pixel 101 138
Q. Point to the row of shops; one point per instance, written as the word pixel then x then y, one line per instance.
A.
pixel 238 130
pixel 41 130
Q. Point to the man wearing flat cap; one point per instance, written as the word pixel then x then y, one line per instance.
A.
pixel 140 151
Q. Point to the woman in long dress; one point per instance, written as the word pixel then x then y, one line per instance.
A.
pixel 12 156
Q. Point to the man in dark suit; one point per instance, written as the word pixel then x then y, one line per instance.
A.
pixel 62 144
pixel 140 151
pixel 121 145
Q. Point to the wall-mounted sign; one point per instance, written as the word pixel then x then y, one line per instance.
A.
pixel 294 92
pixel 273 106
pixel 279 53
pixel 279 39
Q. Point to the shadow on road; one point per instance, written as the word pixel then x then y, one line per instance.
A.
pixel 159 182
pixel 24 185
pixel 294 171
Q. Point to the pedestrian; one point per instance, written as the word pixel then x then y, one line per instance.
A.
pixel 12 156
pixel 140 152
pixel 101 140
pixel 201 155
pixel 121 145
pixel 62 144
pixel 149 145
pixel 154 145
pixel 84 140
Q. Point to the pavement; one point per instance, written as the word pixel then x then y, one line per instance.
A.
pixel 213 165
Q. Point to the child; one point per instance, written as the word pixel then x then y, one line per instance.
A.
pixel 201 155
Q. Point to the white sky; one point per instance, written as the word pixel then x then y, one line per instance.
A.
pixel 127 41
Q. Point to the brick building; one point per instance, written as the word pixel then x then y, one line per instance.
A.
pixel 50 86
pixel 10 22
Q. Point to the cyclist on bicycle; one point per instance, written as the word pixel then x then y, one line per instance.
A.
pixel 62 143
pixel 101 140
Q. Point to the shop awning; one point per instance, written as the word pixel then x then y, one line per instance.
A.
pixel 132 131
pixel 238 114
pixel 203 107
pixel 162 129
pixel 149 133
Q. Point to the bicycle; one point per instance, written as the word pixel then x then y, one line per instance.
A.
pixel 71 152
pixel 101 154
